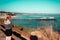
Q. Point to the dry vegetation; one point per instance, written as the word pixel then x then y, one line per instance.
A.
pixel 43 33
pixel 46 33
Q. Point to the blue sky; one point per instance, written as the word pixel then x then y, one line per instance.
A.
pixel 30 6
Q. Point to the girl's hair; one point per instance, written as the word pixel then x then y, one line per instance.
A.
pixel 8 17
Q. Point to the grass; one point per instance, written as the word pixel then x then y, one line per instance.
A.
pixel 1 20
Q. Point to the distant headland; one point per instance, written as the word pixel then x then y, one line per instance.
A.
pixel 4 14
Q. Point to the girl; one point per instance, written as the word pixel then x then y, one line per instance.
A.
pixel 8 27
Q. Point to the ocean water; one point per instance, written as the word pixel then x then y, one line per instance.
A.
pixel 23 20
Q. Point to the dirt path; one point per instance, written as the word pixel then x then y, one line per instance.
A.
pixel 2 35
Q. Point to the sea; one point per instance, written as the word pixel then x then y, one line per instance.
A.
pixel 25 19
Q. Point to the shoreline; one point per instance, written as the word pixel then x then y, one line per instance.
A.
pixel 45 32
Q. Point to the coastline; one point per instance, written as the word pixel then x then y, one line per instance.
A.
pixel 45 33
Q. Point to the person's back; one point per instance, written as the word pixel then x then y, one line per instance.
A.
pixel 7 23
